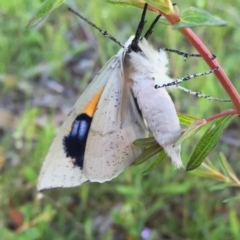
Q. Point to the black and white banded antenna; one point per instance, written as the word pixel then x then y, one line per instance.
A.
pixel 104 33
pixel 186 78
pixel 201 95
pixel 185 55
pixel 195 93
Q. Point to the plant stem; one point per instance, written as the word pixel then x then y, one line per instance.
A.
pixel 229 112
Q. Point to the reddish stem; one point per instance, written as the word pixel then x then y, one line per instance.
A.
pixel 218 115
pixel 174 18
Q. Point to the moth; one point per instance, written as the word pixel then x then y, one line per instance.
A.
pixel 120 105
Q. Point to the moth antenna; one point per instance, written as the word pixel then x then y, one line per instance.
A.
pixel 201 95
pixel 187 77
pixel 140 25
pixel 104 33
pixel 150 30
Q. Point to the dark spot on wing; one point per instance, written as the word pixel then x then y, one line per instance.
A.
pixel 75 141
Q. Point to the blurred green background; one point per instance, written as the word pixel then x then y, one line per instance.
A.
pixel 44 69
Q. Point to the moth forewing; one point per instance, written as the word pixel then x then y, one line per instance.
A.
pixel 57 169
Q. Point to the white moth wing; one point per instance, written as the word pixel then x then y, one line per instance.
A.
pixel 110 150
pixel 57 169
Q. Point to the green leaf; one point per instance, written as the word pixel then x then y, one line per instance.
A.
pixel 208 141
pixel 43 11
pixel 209 171
pixel 155 163
pixel 220 186
pixel 131 3
pixel 203 173
pixel 147 153
pixel 145 142
pixel 234 223
pixel 127 190
pixel 194 17
pixel 185 119
pixel 227 169
pixel 237 198
pixel 163 5
pixel 191 130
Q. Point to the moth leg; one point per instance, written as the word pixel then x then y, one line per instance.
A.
pixel 185 55
pixel 187 77
pixel 201 95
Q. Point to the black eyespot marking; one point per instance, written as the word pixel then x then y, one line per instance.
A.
pixel 74 142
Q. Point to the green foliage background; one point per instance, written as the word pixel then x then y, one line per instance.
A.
pixel 167 203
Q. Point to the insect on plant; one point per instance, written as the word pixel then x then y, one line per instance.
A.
pixel 95 143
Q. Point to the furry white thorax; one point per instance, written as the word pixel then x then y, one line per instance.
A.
pixel 150 67
pixel 155 63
